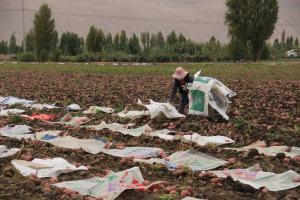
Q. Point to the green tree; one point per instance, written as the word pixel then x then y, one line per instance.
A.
pixel 70 44
pixel 172 39
pixel 3 47
pixel 12 44
pixel 181 38
pixel 109 43
pixel 45 35
pixel 153 41
pixel 283 38
pixel 276 43
pixel 123 41
pixel 100 41
pixel 134 45
pixel 29 40
pixel 160 40
pixel 296 42
pixel 252 21
pixel 289 42
pixel 117 42
pixel 145 40
pixel 91 39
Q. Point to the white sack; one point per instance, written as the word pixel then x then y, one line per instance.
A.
pixel 5 152
pixel 205 91
pixel 17 131
pixel 122 128
pixel 205 140
pixel 109 187
pixel 96 109
pixel 272 150
pixel 95 146
pixel 7 112
pixel 45 167
pixel 14 100
pixel 166 109
pixel 194 160
pixel 73 107
pixel 133 114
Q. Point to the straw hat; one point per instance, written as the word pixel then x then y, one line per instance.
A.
pixel 179 73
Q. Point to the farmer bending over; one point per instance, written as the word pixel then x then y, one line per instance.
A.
pixel 181 79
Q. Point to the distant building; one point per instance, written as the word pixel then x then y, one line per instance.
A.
pixel 292 53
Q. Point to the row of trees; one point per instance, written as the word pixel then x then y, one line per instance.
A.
pixel 250 24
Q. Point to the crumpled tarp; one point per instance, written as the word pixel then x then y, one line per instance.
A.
pixel 96 109
pixel 157 109
pixel 73 107
pixel 272 150
pixel 133 114
pixel 96 146
pixel 122 128
pixel 5 152
pixel 109 187
pixel 257 178
pixel 194 160
pixel 206 91
pixel 45 167
pixel 7 112
pixel 16 131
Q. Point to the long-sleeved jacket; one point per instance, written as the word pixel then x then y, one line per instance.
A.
pixel 181 86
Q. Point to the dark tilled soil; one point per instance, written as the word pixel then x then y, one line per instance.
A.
pixel 262 110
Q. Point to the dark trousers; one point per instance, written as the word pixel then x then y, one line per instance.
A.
pixel 183 102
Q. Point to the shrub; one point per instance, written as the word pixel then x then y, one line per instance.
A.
pixel 43 56
pixel 86 57
pixel 26 57
pixel 55 56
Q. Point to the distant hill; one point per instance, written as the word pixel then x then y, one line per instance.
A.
pixel 198 19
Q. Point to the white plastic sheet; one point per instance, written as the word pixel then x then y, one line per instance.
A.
pixel 89 145
pixel 122 128
pixel 133 114
pixel 14 100
pixel 7 112
pixel 191 198
pixel 96 146
pixel 5 152
pixel 165 134
pixel 136 152
pixel 194 160
pixel 96 109
pixel 68 119
pixel 109 187
pixel 256 178
pixel 166 109
pixel 24 102
pixel 205 140
pixel 17 131
pixel 45 167
pixel 39 106
pixel 272 150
